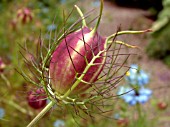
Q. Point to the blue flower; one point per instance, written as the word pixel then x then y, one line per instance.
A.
pixel 51 27
pixel 123 91
pixel 59 123
pixel 133 97
pixel 136 76
pixel 131 75
pixel 143 78
pixel 2 113
pixel 134 68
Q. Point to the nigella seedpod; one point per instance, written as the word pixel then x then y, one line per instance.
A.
pixel 71 58
pixel 37 99
pixel 78 60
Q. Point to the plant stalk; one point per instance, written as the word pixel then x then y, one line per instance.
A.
pixel 41 114
pixel 98 21
pixel 81 15
pixel 126 32
pixel 139 111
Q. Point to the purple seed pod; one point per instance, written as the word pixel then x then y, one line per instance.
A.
pixel 71 57
pixel 37 99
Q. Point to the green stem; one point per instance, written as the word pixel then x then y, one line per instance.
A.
pixel 139 111
pixel 98 21
pixel 126 32
pixel 18 107
pixel 81 15
pixel 6 80
pixel 41 114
